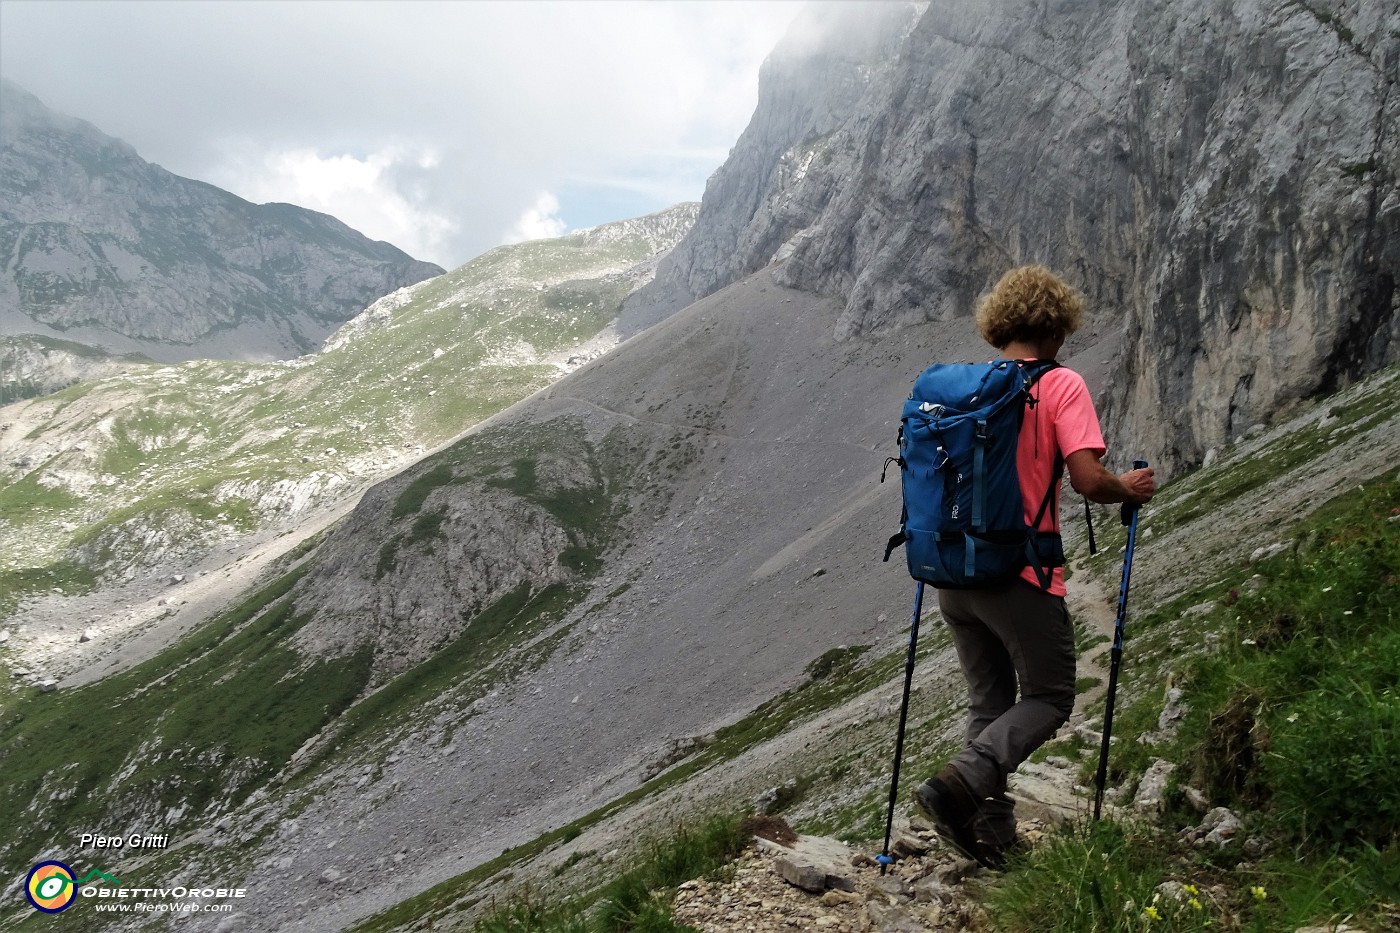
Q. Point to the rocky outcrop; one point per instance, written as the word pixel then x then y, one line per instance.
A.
pixel 821 884
pixel 31 365
pixel 407 587
pixel 425 553
pixel 104 247
pixel 1219 181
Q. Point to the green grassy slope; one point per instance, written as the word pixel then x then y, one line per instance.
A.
pixel 117 473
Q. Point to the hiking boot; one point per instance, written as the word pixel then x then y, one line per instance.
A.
pixel 994 855
pixel 947 803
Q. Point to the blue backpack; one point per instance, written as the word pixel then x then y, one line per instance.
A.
pixel 964 523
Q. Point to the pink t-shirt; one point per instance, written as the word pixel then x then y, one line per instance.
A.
pixel 1063 418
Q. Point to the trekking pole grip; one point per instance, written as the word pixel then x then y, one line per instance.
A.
pixel 1128 510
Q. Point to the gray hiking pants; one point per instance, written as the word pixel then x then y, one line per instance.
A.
pixel 1012 635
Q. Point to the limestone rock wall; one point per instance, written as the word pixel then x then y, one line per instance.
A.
pixel 1221 178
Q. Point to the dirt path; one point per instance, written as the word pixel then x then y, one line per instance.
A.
pixel 1090 606
pixel 924 892
pixel 132 622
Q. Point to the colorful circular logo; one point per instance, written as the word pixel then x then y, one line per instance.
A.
pixel 50 887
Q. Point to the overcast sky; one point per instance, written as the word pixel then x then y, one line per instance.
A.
pixel 445 127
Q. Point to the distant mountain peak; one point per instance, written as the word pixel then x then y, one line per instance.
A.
pixel 110 250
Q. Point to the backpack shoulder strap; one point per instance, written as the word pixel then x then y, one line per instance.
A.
pixel 1034 369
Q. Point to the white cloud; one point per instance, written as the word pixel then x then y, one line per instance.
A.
pixel 540 221
pixel 360 192
pixel 427 124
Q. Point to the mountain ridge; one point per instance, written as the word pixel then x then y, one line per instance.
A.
pixel 110 250
pixel 126 481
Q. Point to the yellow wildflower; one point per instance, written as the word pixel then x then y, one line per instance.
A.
pixel 1151 913
pixel 1258 892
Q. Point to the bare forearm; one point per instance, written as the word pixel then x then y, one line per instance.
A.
pixel 1104 487
pixel 1094 482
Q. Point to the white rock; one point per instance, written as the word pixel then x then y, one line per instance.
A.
pixel 1153 787
pixel 813 863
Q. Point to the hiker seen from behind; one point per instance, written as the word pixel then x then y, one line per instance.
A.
pixel 1013 634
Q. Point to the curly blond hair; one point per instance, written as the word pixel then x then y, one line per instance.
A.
pixel 1030 303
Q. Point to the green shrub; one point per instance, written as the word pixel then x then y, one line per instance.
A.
pixel 837 661
pixel 526 917
pixel 411 500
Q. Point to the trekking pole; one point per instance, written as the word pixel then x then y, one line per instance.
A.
pixel 1130 518
pixel 884 857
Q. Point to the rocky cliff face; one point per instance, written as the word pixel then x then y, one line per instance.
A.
pixel 816 78
pixel 104 247
pixel 1221 179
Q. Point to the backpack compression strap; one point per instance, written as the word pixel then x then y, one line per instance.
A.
pixel 898 537
pixel 1046 575
pixel 979 486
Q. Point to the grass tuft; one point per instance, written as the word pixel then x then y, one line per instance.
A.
pixel 639 900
